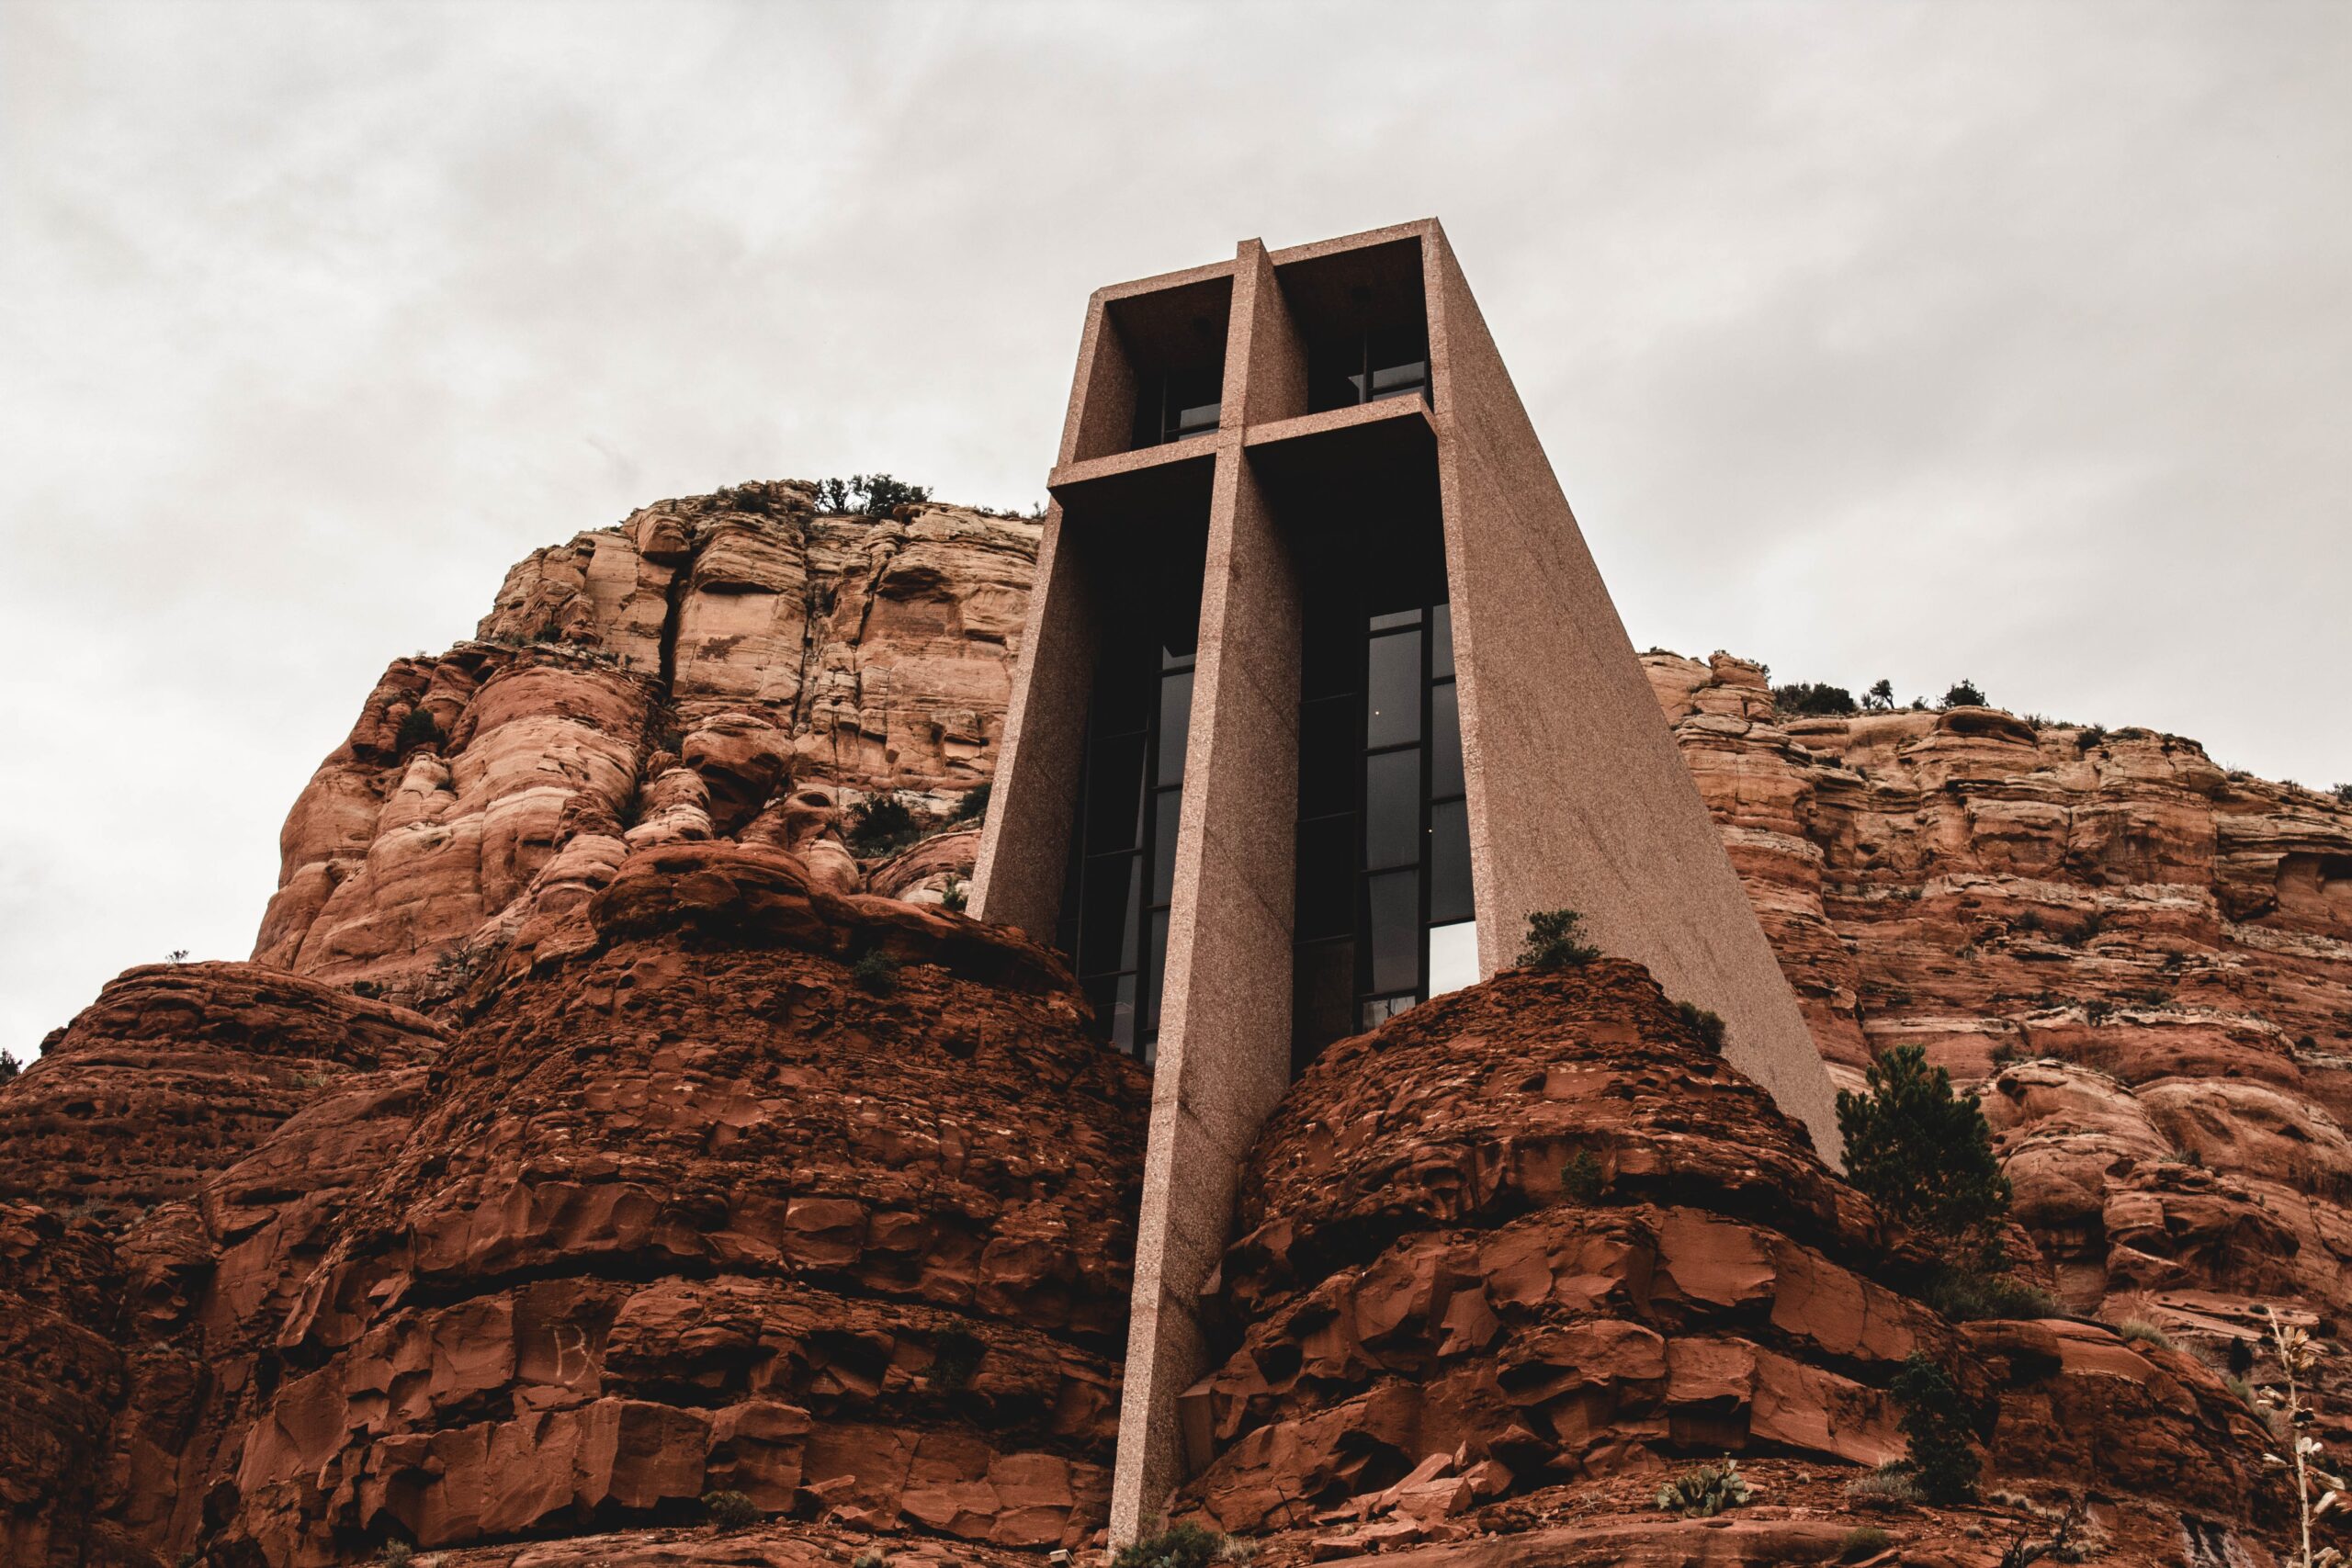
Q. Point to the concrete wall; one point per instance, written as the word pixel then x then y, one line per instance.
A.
pixel 1578 798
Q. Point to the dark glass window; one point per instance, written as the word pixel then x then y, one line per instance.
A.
pixel 1393 710
pixel 1368 367
pixel 1445 742
pixel 1395 897
pixel 1392 808
pixel 1449 861
pixel 1115 913
pixel 1179 403
pixel 1384 840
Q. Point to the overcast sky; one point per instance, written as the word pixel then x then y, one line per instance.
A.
pixel 2007 343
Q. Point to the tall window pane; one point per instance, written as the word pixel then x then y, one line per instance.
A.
pixel 1449 862
pixel 1396 906
pixel 1445 742
pixel 1392 808
pixel 1393 690
pixel 1175 721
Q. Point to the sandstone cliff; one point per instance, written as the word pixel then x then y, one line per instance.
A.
pixel 595 1129
pixel 2146 961
pixel 724 667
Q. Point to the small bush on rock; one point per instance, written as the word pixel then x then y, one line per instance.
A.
pixel 955 895
pixel 730 1510
pixel 417 729
pixel 882 824
pixel 1939 1423
pixel 1965 1295
pixel 2139 1331
pixel 396 1554
pixel 975 803
pixel 1554 941
pixel 1581 1178
pixel 876 974
pixel 1708 1026
pixel 1705 1490
pixel 1888 1487
pixel 1809 699
pixel 1963 694
pixel 1177 1546
pixel 870 1558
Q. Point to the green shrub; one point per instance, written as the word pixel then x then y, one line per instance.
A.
pixel 1811 699
pixel 1707 1025
pixel 2139 1331
pixel 2343 793
pixel 1581 1179
pixel 880 824
pixel 1924 1154
pixel 975 803
pixel 870 1558
pixel 876 974
pixel 1939 1425
pixel 955 895
pixel 1889 1486
pixel 1554 941
pixel 1880 698
pixel 730 1510
pixel 1862 1542
pixel 416 729
pixel 1705 1490
pixel 396 1554
pixel 1177 1546
pixel 1966 1295
pixel 1963 694
pixel 9 1066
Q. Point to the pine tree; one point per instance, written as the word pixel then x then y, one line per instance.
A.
pixel 1922 1153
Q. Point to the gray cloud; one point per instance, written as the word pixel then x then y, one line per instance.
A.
pixel 2009 342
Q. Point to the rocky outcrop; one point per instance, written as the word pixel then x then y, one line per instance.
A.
pixel 2144 960
pixel 728 667
pixel 749 1187
pixel 1537 1232
pixel 177 1072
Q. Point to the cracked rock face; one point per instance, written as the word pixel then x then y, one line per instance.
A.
pixel 1536 1232
pixel 686 1209
pixel 723 667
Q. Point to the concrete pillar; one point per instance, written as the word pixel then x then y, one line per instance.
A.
pixel 1225 1015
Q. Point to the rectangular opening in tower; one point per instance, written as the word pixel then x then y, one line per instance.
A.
pixel 1362 317
pixel 1143 555
pixel 1382 907
pixel 1172 343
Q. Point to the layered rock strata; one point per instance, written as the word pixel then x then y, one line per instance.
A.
pixel 2145 961
pixel 751 1186
pixel 724 667
pixel 1537 1232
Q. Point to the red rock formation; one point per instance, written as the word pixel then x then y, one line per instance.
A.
pixel 684 1206
pixel 2146 960
pixel 719 667
pixel 1536 1232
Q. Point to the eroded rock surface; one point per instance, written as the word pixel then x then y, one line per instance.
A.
pixel 686 1207
pixel 1537 1232
pixel 734 666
